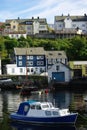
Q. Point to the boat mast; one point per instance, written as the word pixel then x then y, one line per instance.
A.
pixel 26 66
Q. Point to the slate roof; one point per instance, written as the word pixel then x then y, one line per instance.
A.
pixel 41 20
pixel 55 54
pixel 29 51
pixel 40 51
pixel 74 18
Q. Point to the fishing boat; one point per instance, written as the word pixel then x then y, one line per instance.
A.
pixel 42 113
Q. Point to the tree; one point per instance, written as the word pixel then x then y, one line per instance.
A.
pixel 78 49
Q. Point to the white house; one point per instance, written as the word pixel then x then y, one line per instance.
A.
pixel 70 23
pixel 59 72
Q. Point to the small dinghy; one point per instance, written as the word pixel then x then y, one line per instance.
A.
pixel 42 113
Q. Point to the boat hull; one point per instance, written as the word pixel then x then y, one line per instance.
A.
pixel 69 119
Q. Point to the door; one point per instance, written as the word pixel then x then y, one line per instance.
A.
pixel 58 76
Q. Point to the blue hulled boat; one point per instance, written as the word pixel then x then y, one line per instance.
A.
pixel 42 113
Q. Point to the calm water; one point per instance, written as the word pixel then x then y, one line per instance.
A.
pixel 9 102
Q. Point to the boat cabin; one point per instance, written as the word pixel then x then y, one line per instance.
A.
pixel 34 108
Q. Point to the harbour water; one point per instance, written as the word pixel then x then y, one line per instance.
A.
pixel 74 100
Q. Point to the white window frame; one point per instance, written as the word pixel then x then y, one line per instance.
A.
pixel 29 63
pixel 20 63
pixel 29 57
pixel 21 70
pixel 40 63
pixel 40 57
pixel 19 57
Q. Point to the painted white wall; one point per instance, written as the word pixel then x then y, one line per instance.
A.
pixel 58 26
pixel 17 35
pixel 12 69
pixel 36 27
pixel 68 22
pixel 62 68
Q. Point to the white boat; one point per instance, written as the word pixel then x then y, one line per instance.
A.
pixel 42 113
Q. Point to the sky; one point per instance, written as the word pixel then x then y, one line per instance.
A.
pixel 26 9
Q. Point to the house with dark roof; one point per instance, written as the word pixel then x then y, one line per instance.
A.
pixel 30 26
pixel 70 24
pixel 54 57
pixel 27 60
pixel 57 66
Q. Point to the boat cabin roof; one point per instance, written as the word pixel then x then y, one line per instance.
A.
pixel 36 104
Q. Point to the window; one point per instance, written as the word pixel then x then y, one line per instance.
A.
pixel 32 70
pixel 45 106
pixel 19 57
pixel 74 25
pixel 29 57
pixel 28 28
pixel 50 61
pixel 14 26
pixel 83 25
pixel 77 66
pixel 57 67
pixel 59 53
pixel 29 63
pixel 41 70
pixel 38 107
pixel 67 18
pixel 17 35
pixel 32 106
pixel 26 108
pixel 21 70
pixel 55 113
pixel 60 25
pixel 20 63
pixel 36 69
pixel 13 70
pixel 48 113
pixel 40 57
pixel 40 63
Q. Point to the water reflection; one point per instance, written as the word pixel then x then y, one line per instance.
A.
pixel 17 126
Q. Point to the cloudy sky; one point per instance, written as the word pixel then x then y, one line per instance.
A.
pixel 42 8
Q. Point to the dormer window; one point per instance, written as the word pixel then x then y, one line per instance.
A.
pixel 50 54
pixel 59 53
